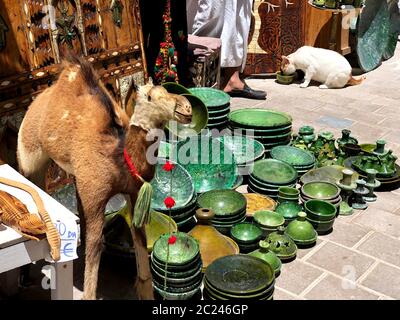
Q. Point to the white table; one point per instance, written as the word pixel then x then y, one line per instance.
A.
pixel 17 251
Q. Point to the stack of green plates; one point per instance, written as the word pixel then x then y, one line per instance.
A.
pixel 218 105
pixel 229 207
pixel 176 267
pixel 239 277
pixel 181 190
pixel 301 160
pixel 270 174
pixel 271 128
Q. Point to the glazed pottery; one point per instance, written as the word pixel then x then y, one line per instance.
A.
pixel 288 210
pixel 259 118
pixel 367 148
pixel 246 233
pixel 329 174
pixel 324 148
pixel 176 88
pixel 380 147
pixel 359 193
pixel 257 202
pixel 274 172
pixel 223 202
pixel 347 186
pixel 320 210
pixel 346 138
pixel 182 186
pixel 212 243
pixel 268 221
pixel 284 79
pixel 263 132
pixel 288 193
pixel 304 138
pixel 292 155
pixel 322 227
pixel 301 231
pixel 239 275
pixel 371 183
pixel 282 245
pixel 209 170
pixel 245 150
pixel 320 190
pixel 158 225
pixel 265 254
pixel 184 250
pixel 212 98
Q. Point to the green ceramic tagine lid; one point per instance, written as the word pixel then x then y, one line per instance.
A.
pixel 264 253
pixel 301 231
pixel 282 245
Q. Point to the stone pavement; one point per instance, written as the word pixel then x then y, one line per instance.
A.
pixel 360 259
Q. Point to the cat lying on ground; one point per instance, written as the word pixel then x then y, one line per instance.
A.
pixel 325 66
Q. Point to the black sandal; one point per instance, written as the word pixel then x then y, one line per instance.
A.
pixel 248 93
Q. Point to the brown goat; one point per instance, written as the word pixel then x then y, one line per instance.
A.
pixel 78 125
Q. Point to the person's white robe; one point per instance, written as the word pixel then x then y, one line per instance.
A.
pixel 228 20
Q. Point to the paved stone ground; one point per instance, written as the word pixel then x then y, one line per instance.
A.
pixel 360 259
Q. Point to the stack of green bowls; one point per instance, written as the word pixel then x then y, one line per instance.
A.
pixel 247 236
pixel 268 221
pixel 322 190
pixel 229 207
pixel 271 128
pixel 288 203
pixel 176 267
pixel 321 214
pixel 218 105
pixel 301 160
pixel 268 175
pixel 182 191
pixel 239 277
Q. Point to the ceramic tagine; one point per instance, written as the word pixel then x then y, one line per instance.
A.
pixel 213 244
pixel 301 231
pixel 264 253
pixel 324 148
pixel 347 146
pixel 347 187
pixel 282 245
pixel 304 138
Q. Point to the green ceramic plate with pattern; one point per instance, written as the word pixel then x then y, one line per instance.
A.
pixel 293 156
pixel 275 172
pixel 211 97
pixel 184 250
pixel 259 118
pixel 244 149
pixel 239 274
pixel 182 186
pixel 223 202
pixel 210 164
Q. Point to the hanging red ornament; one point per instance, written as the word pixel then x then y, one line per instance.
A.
pixel 168 166
pixel 172 239
pixel 169 202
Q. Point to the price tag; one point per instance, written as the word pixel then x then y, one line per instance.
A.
pixel 68 231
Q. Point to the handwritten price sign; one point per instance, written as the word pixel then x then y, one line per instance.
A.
pixel 68 231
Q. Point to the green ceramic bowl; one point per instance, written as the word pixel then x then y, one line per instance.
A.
pixel 320 210
pixel 182 185
pixel 288 209
pixel 177 211
pixel 223 202
pixel 259 118
pixel 245 150
pixel 274 172
pixel 268 219
pixel 289 193
pixel 294 156
pixel 184 250
pixel 214 112
pixel 284 79
pixel 301 231
pixel 177 296
pixel 211 97
pixel 228 223
pixel 328 173
pixel 176 282
pixel 322 227
pixel 190 266
pixel 320 190
pixel 260 132
pixel 176 274
pixel 176 88
pixel 209 169
pixel 199 119
pixel 246 233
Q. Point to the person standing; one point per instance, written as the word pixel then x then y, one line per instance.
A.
pixel 230 21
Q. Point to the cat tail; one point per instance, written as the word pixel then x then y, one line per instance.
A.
pixel 356 81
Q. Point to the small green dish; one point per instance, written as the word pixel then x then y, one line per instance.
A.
pixel 268 219
pixel 320 190
pixel 320 210
pixel 211 97
pixel 246 233
pixel 285 79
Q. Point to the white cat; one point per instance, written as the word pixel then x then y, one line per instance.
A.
pixel 322 65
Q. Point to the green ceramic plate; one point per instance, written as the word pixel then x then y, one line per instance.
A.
pixel 240 274
pixel 184 250
pixel 221 224
pixel 211 165
pixel 190 266
pixel 259 118
pixel 275 172
pixel 267 186
pixel 173 87
pixel 294 156
pixel 229 219
pixel 182 187
pixel 176 275
pixel 219 112
pixel 199 119
pixel 211 97
pixel 244 149
pixel 262 132
pixel 328 173
pixel 217 124
pixel 223 202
